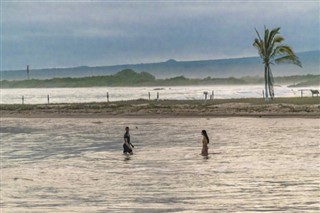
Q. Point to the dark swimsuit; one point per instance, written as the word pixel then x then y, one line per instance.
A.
pixel 125 147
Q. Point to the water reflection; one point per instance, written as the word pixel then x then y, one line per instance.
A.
pixel 127 157
pixel 206 157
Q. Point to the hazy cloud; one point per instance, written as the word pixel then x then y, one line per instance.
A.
pixel 72 33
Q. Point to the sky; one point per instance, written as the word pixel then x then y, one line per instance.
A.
pixel 46 34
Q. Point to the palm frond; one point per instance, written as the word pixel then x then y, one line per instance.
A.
pixel 286 55
pixel 266 38
pixel 275 48
pixel 271 38
pixel 258 34
pixel 277 39
pixel 257 44
pixel 285 49
pixel 293 59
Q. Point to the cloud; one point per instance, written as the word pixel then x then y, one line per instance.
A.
pixel 98 33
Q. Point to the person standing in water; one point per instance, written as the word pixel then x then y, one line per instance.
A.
pixel 205 141
pixel 127 145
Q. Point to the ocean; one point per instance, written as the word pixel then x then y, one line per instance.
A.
pixel 77 165
pixel 99 94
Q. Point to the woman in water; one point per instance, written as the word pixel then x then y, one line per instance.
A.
pixel 205 141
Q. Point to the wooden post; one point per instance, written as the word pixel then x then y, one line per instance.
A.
pixel 263 94
pixel 205 95
pixel 48 99
pixel 149 96
pixel 22 99
pixel 212 95
pixel 107 96
pixel 157 96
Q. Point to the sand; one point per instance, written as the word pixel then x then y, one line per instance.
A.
pixel 308 107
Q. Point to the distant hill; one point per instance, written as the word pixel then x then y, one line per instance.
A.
pixel 222 68
pixel 125 77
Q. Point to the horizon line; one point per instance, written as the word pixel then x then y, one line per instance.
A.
pixel 146 63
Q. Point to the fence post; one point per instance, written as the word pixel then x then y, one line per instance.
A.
pixel 22 99
pixel 108 96
pixel 158 96
pixel 48 97
pixel 205 95
pixel 149 96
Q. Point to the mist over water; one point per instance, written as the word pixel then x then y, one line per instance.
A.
pixel 99 94
pixel 77 165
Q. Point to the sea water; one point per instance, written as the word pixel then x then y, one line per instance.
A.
pixel 77 165
pixel 99 94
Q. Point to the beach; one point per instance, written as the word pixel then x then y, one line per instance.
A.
pixel 303 107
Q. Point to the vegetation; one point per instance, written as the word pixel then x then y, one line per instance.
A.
pixel 129 77
pixel 306 106
pixel 314 81
pixel 272 50
pixel 125 77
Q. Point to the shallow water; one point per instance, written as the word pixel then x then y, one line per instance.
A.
pixel 77 165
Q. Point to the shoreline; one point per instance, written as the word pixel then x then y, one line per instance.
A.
pixel 251 107
pixel 127 116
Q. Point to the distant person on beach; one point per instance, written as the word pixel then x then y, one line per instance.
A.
pixel 205 141
pixel 127 145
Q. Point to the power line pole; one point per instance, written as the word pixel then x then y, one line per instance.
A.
pixel 28 76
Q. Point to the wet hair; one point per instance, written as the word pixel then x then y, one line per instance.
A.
pixel 204 132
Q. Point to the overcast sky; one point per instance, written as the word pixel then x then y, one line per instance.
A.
pixel 95 33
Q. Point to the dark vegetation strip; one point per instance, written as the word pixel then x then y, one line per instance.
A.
pixel 131 78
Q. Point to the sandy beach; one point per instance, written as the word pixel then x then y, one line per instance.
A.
pixel 287 107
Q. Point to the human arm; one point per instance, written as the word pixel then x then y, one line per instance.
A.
pixel 127 141
pixel 131 144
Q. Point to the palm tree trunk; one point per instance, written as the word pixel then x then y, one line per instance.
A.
pixel 266 82
pixel 270 83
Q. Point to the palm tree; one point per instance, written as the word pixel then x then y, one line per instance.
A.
pixel 271 51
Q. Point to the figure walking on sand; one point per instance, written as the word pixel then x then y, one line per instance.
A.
pixel 127 145
pixel 205 141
